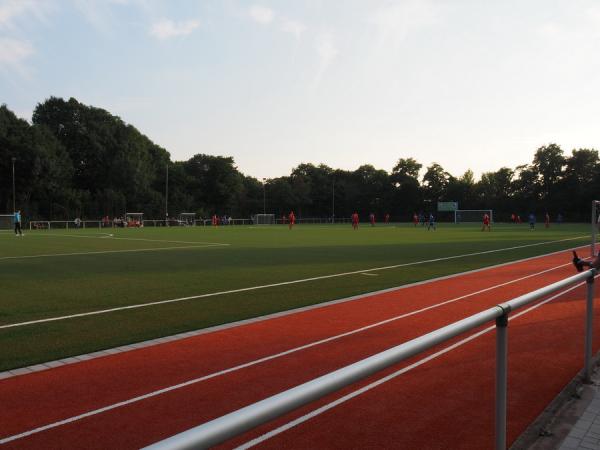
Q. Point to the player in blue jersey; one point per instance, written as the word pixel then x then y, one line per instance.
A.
pixel 17 220
pixel 431 223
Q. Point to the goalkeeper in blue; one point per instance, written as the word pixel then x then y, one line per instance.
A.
pixel 17 220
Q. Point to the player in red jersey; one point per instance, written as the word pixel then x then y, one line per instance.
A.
pixel 415 219
pixel 372 219
pixel 513 218
pixel 486 223
pixel 355 220
pixel 547 220
pixel 292 219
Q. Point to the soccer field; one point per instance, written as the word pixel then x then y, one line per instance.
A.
pixel 157 282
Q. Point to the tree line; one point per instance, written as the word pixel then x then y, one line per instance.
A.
pixel 75 160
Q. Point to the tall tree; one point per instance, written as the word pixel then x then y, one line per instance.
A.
pixel 214 180
pixel 435 182
pixel 42 166
pixel 548 163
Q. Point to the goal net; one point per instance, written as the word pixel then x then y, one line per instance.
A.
pixel 264 219
pixel 472 215
pixel 187 218
pixel 6 221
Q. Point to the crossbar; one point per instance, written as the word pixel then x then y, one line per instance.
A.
pixel 237 422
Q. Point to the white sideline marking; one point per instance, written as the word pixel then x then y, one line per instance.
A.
pixel 212 329
pixel 387 378
pixel 260 360
pixel 108 235
pixel 102 252
pixel 266 286
pixel 370 274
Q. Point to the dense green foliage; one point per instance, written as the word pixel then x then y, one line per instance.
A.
pixel 79 161
pixel 138 266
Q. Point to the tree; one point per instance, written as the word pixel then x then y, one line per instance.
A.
pixel 42 166
pixel 78 160
pixel 526 188
pixel 462 189
pixel 435 182
pixel 213 182
pixel 548 163
pixel 580 184
pixel 406 188
pixel 107 156
pixel 406 169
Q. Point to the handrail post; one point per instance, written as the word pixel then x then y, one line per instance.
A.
pixel 589 326
pixel 501 379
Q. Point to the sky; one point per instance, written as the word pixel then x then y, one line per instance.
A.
pixel 468 84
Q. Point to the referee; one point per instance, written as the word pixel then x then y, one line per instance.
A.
pixel 18 231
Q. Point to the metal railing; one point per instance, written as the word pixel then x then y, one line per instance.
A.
pixel 208 222
pixel 316 220
pixel 64 224
pixel 249 417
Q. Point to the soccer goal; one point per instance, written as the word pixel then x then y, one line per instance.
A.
pixel 472 215
pixel 187 218
pixel 264 219
pixel 134 219
pixel 6 221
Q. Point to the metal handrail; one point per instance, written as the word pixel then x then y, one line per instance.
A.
pixel 68 224
pixel 237 422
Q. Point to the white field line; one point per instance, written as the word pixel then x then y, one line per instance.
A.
pixel 387 378
pixel 271 285
pixel 260 360
pixel 103 252
pixel 212 329
pixel 112 237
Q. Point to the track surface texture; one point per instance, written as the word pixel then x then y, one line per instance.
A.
pixel 446 402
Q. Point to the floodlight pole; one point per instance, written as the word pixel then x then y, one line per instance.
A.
pixel 333 202
pixel 167 197
pixel 264 196
pixel 13 159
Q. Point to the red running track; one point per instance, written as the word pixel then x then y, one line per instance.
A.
pixel 446 402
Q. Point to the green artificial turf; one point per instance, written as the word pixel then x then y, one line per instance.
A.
pixel 169 263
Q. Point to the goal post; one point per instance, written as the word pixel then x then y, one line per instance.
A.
pixel 264 219
pixel 472 215
pixel 134 219
pixel 187 218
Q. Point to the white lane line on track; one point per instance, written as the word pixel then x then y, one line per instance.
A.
pixel 387 378
pixel 103 252
pixel 283 283
pixel 262 360
pixel 112 237
pixel 212 329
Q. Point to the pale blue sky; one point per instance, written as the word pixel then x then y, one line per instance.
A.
pixel 467 84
